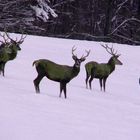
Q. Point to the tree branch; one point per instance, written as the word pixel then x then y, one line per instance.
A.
pixel 128 39
pixel 120 6
pixel 61 3
pixel 124 22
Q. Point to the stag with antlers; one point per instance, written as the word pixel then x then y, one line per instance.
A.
pixel 56 72
pixel 8 49
pixel 101 71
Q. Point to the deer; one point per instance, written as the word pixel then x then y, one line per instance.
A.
pixel 58 73
pixel 102 71
pixel 8 50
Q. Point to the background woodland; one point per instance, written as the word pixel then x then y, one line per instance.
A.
pixel 99 20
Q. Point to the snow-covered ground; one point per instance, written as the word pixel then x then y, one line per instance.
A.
pixel 85 114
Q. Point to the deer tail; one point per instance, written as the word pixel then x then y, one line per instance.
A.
pixel 35 63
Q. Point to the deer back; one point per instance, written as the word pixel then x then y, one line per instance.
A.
pixel 89 66
pixel 57 72
pixel 54 71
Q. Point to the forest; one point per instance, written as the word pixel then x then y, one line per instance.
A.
pixel 95 20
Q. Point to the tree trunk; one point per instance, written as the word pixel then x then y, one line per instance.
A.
pixel 138 11
pixel 107 17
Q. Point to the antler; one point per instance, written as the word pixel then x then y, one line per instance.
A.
pixel 3 36
pixel 88 52
pixel 8 36
pixel 22 38
pixel 83 57
pixel 110 50
pixel 73 49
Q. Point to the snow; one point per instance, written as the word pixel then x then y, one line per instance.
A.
pixel 85 114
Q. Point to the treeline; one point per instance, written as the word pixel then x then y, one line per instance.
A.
pixel 101 20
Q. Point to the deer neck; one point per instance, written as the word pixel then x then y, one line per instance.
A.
pixel 111 64
pixel 75 71
pixel 13 53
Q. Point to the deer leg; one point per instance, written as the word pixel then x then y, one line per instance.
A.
pixel 65 91
pixel 0 68
pixel 100 80
pixel 104 83
pixel 87 77
pixel 90 81
pixel 37 81
pixel 3 71
pixel 93 73
pixel 63 88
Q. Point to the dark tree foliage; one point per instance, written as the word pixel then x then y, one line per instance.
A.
pixel 101 20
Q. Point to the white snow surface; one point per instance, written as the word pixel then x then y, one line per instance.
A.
pixel 85 114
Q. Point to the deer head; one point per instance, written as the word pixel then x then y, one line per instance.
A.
pixel 113 53
pixel 16 43
pixel 79 60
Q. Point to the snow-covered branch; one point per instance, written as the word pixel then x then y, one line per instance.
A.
pixel 43 10
pixel 121 5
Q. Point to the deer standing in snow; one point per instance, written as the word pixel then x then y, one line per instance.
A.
pixel 56 72
pixel 101 71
